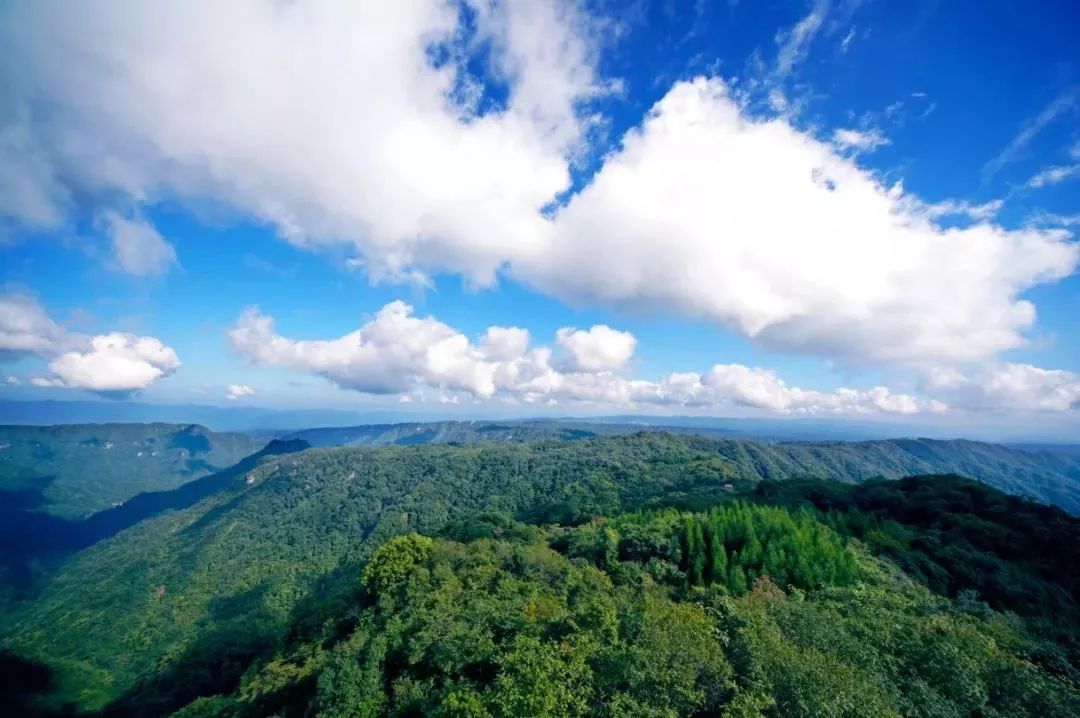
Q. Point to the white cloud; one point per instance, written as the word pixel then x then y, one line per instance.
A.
pixel 600 348
pixel 504 343
pixel 1062 104
pixel 1050 219
pixel 860 140
pixel 115 363
pixel 398 353
pixel 765 229
pixel 138 248
pixel 239 391
pixel 795 43
pixel 354 135
pixel 26 328
pixel 955 208
pixel 846 42
pixel 1007 386
pixel 390 354
pixel 762 388
pixel 13 380
pixel 1053 175
pixel 30 191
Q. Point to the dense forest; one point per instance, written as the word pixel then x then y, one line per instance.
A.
pixel 637 575
pixel 73 471
pixel 1050 474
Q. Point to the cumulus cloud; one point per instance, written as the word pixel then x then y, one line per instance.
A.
pixel 138 248
pixel 761 388
pixel 370 130
pixel 765 229
pixel 238 391
pixel 12 380
pixel 115 363
pixel 1007 386
pixel 392 353
pixel 397 352
pixel 599 348
pixel 374 132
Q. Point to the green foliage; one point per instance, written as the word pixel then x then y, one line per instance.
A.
pixel 497 628
pixel 73 471
pixel 501 627
pixel 253 602
pixel 956 536
pixel 395 560
pixel 730 545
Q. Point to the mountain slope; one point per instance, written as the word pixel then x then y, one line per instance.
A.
pixel 1048 474
pixel 32 542
pixel 75 470
pixel 204 589
pixel 617 618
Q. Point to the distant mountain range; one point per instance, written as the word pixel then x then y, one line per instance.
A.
pixel 218 418
pixel 1047 473
pixel 266 422
pixel 76 470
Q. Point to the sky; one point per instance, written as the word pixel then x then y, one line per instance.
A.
pixel 857 209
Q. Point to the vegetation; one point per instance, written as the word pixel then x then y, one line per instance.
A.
pixel 73 471
pixel 638 575
pixel 599 621
pixel 1050 474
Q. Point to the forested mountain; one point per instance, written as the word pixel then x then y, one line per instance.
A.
pixel 33 543
pixel 1050 474
pixel 75 470
pixel 875 593
pixel 452 432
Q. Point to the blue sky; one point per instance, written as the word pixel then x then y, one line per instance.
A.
pixel 821 208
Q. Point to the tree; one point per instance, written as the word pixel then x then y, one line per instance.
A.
pixel 395 560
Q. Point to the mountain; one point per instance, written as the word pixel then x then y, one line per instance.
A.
pixel 33 542
pixel 219 418
pixel 74 470
pixel 1048 473
pixel 453 432
pixel 746 608
pixel 184 603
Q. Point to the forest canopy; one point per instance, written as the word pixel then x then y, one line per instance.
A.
pixel 639 575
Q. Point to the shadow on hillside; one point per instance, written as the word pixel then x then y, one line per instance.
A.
pixel 24 684
pixel 215 663
pixel 29 538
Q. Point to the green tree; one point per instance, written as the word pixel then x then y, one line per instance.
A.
pixel 395 560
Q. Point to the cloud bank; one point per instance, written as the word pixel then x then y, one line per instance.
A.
pixel 112 364
pixel 397 352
